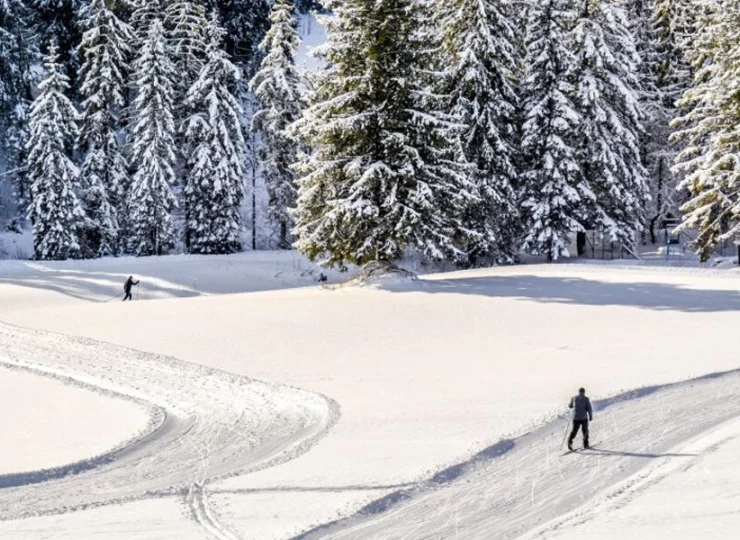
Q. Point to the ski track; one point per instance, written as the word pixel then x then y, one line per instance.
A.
pixel 528 487
pixel 205 425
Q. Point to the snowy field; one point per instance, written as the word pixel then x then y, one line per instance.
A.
pixel 244 401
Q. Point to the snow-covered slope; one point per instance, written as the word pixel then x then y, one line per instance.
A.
pixel 427 374
pixel 46 423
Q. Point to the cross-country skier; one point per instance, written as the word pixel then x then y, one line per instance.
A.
pixel 127 288
pixel 582 415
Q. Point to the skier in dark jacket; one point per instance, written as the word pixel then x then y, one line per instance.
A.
pixel 582 415
pixel 127 288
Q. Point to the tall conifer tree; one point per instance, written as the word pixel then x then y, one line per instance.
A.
pixel 151 200
pixel 709 130
pixel 480 41
pixel 382 177
pixel 215 183
pixel 55 211
pixel 281 94
pixel 553 189
pixel 607 97
pixel 17 56
pixel 106 52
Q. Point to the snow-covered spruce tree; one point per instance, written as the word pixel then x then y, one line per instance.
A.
pixel 709 131
pixel 245 22
pixel 607 98
pixel 281 94
pixel 55 211
pixel 17 55
pixel 151 200
pixel 12 69
pixel 56 21
pixel 674 24
pixel 479 41
pixel 144 13
pixel 553 190
pixel 187 28
pixel 105 51
pixel 215 182
pixel 657 152
pixel 380 178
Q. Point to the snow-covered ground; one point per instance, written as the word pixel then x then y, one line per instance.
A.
pixel 426 381
pixel 46 423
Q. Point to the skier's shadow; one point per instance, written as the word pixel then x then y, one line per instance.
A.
pixel 604 451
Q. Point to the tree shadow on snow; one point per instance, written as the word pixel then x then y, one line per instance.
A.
pixel 95 286
pixel 581 291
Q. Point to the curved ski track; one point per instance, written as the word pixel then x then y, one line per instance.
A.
pixel 205 424
pixel 529 486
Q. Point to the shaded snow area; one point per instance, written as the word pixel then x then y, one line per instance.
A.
pixel 414 408
pixel 28 283
pixel 16 245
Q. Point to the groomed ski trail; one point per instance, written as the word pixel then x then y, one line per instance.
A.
pixel 205 424
pixel 526 487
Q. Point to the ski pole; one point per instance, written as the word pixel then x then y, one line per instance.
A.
pixel 567 426
pixel 111 299
pixel 137 291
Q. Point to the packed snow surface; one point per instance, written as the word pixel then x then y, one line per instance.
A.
pixel 421 408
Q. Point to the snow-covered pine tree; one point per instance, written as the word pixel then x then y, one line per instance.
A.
pixel 143 14
pixel 608 100
pixel 17 56
pixel 215 183
pixel 187 28
pixel 12 70
pixel 381 177
pixel 245 22
pixel 709 130
pixel 106 52
pixel 281 94
pixel 151 200
pixel 479 40
pixel 656 150
pixel 553 190
pixel 56 21
pixel 673 25
pixel 676 22
pixel 55 211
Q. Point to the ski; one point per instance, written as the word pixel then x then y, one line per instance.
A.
pixel 576 450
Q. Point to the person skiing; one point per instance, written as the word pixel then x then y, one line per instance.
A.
pixel 582 415
pixel 127 288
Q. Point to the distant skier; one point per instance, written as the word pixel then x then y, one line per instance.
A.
pixel 127 288
pixel 582 415
pixel 323 278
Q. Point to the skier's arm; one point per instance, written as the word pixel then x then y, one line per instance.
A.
pixel 136 283
pixel 590 411
pixel 570 405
